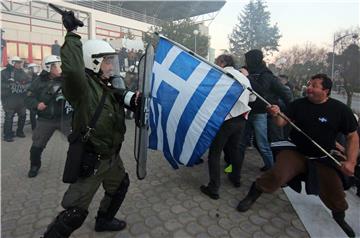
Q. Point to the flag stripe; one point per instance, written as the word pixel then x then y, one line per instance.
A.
pixel 184 65
pixel 190 111
pixel 189 101
pixel 166 95
pixel 214 124
pixel 206 127
pixel 153 121
pixel 161 52
pixel 191 85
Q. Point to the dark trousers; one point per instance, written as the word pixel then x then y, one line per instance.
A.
pixel 289 164
pixel 9 119
pixel 33 118
pixel 110 173
pixel 228 136
pixel 45 129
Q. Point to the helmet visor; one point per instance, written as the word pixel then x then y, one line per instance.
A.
pixel 110 66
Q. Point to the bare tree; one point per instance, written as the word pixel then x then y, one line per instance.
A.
pixel 346 61
pixel 300 63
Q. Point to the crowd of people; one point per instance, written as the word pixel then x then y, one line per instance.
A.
pixel 128 57
pixel 94 122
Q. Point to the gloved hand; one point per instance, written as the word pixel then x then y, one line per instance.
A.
pixel 136 102
pixel 70 22
pixel 136 99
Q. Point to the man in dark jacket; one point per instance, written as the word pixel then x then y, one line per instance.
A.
pixel 88 73
pixel 14 82
pixel 265 83
pixel 54 112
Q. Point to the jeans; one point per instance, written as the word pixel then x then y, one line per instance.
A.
pixel 258 123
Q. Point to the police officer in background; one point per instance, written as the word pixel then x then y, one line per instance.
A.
pixel 54 112
pixel 33 71
pixel 14 82
pixel 89 71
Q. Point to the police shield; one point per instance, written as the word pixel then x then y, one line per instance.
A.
pixel 141 131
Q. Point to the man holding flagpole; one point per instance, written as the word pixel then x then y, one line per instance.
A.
pixel 229 134
pixel 321 118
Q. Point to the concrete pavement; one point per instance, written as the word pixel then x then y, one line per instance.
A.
pixel 167 203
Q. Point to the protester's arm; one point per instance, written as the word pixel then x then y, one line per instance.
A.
pixel 351 151
pixel 274 111
pixel 282 91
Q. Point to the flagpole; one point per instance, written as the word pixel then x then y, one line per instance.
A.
pixel 252 91
pixel 197 56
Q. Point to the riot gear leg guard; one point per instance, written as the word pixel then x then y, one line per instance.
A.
pixel 66 222
pixel 106 221
pixel 21 124
pixel 8 124
pixel 35 161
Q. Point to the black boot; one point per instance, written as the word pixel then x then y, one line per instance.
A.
pixel 103 223
pixel 20 126
pixel 339 217
pixel 35 161
pixel 105 220
pixel 8 138
pixel 8 124
pixel 250 198
pixel 207 191
pixel 66 222
pixel 20 134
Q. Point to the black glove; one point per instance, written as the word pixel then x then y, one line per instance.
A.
pixel 136 103
pixel 70 22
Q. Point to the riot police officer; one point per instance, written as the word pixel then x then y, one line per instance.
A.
pixel 33 71
pixel 54 112
pixel 14 82
pixel 89 71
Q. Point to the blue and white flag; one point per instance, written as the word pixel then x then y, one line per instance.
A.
pixel 189 101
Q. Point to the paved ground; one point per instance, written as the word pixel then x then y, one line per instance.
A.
pixel 167 203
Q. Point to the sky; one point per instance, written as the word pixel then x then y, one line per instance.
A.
pixel 299 21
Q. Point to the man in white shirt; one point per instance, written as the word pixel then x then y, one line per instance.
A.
pixel 229 133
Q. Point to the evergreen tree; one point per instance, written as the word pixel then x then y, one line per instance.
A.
pixel 254 31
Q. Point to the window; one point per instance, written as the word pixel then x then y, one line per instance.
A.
pixel 36 52
pixel 46 51
pixel 11 48
pixel 23 51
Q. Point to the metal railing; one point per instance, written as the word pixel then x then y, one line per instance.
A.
pixel 116 10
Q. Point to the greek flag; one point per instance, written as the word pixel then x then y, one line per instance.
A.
pixel 189 101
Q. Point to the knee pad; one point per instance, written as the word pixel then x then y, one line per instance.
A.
pixel 66 222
